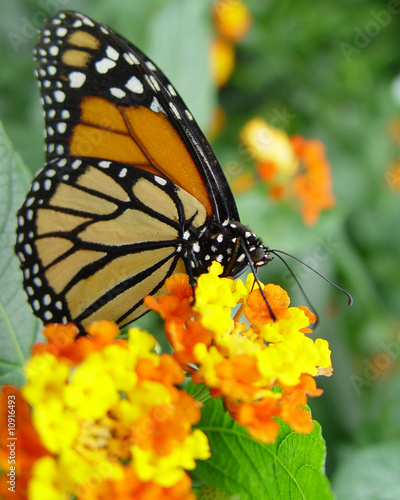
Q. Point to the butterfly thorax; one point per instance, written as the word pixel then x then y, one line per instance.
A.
pixel 226 243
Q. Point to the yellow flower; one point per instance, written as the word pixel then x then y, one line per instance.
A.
pixel 209 359
pixel 222 61
pixel 169 469
pixel 232 19
pixel 141 344
pixel 215 297
pixel 92 391
pixel 323 353
pixel 56 424
pixel 290 352
pixel 269 144
pixel 47 482
pixel 148 395
pixel 46 377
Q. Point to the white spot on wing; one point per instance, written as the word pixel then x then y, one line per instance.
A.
pixel 112 53
pixel 135 85
pixel 118 93
pixel 151 66
pixel 61 31
pixel 155 83
pixel 160 180
pixel 104 164
pixel 61 127
pixel 53 50
pixel 87 21
pixel 174 110
pixel 59 95
pixel 76 79
pixel 104 65
pixel 156 106
pixel 76 164
pixel 171 89
pixel 130 58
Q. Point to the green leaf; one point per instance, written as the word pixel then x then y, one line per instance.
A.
pixel 371 473
pixel 200 392
pixel 292 468
pixel 18 327
pixel 180 40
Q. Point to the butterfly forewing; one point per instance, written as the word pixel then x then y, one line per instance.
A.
pixel 104 98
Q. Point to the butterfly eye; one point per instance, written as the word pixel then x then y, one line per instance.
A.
pixel 257 254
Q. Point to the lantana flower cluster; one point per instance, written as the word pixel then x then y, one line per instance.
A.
pixel 101 418
pixel 262 366
pixel 295 169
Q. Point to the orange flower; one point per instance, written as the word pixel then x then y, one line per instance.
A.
pixel 131 487
pixel 167 425
pixel 177 303
pixel 28 445
pixel 313 187
pixel 267 170
pixel 167 371
pixel 310 315
pixel 257 418
pixel 182 329
pixel 295 397
pixel 294 168
pixel 256 310
pixel 183 337
pixel 63 340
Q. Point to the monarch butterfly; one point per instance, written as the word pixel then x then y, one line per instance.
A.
pixel 131 192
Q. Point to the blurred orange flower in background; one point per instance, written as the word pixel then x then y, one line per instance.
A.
pixel 294 168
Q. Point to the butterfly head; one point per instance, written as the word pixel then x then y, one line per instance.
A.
pixel 231 244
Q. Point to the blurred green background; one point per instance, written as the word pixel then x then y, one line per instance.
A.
pixel 327 70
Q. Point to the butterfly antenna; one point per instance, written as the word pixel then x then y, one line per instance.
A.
pixel 311 307
pixel 254 271
pixel 275 252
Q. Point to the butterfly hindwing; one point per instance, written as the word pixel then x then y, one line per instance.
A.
pixel 100 240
